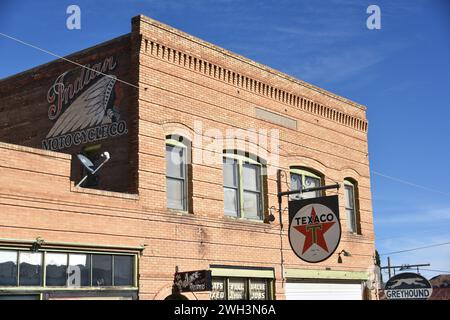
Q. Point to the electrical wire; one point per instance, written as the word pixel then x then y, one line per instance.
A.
pixel 137 87
pixel 414 249
pixel 433 270
pixel 409 183
pixel 65 59
pixel 422 231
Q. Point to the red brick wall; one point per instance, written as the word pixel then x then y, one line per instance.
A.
pixel 25 108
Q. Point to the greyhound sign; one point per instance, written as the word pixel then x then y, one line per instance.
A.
pixel 408 286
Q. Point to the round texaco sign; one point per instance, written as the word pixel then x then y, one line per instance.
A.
pixel 314 232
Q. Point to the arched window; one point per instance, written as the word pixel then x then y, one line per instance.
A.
pixel 177 173
pixel 242 186
pixel 351 208
pixel 302 178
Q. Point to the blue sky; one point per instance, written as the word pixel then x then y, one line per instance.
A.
pixel 401 73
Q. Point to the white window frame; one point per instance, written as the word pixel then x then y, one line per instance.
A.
pixel 241 160
pixel 176 143
pixel 350 227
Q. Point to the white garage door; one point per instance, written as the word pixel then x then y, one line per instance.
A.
pixel 323 291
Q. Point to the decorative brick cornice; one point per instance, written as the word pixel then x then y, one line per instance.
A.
pixel 244 82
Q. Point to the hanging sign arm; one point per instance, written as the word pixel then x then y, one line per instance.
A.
pixel 281 193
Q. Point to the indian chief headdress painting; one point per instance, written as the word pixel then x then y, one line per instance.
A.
pixel 86 110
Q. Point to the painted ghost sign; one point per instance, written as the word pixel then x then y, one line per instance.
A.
pixel 86 106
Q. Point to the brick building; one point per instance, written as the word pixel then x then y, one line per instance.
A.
pixel 196 134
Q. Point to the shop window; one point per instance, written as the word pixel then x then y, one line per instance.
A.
pixel 237 289
pixel 79 270
pixel 242 187
pixel 56 269
pixel 233 288
pixel 101 270
pixel 123 270
pixel 351 209
pixel 258 289
pixel 19 297
pixel 177 173
pixel 218 291
pixel 69 270
pixel 8 268
pixel 303 179
pixel 30 269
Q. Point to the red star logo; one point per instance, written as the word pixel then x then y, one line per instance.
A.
pixel 314 232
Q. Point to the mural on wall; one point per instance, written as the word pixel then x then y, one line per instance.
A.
pixel 86 106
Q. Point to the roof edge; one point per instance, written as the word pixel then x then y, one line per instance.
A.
pixel 241 58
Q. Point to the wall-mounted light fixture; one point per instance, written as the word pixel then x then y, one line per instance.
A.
pixel 344 253
pixel 37 244
pixel 270 217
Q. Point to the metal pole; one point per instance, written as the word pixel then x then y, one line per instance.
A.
pixel 280 215
pixel 389 266
pixel 280 198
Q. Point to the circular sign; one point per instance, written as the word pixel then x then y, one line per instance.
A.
pixel 408 286
pixel 314 232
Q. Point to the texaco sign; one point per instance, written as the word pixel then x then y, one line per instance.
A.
pixel 314 228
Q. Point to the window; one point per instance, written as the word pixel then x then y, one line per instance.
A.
pixel 8 268
pixel 218 291
pixel 176 173
pixel 123 270
pixel 101 270
pixel 242 187
pixel 93 153
pixel 303 179
pixel 62 269
pixel 258 289
pixel 79 270
pixel 56 269
pixel 237 289
pixel 30 269
pixel 233 288
pixel 350 206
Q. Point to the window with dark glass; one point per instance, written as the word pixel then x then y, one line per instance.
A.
pixel 56 269
pixel 101 270
pixel 30 268
pixel 123 270
pixel 176 175
pixel 242 187
pixel 70 270
pixel 79 270
pixel 8 268
pixel 303 179
pixel 93 153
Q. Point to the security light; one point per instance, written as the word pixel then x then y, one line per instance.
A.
pixel 92 169
pixel 344 253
